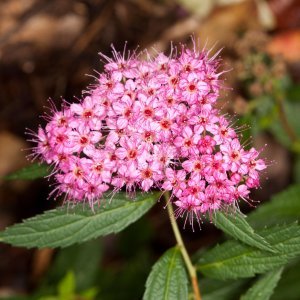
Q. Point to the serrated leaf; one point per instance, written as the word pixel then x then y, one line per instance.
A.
pixel 31 172
pixel 264 287
pixel 235 260
pixel 168 278
pixel 65 226
pixel 283 207
pixel 235 225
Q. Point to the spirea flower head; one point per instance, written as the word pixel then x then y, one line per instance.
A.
pixel 151 124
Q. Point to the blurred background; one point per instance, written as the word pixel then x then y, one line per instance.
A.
pixel 49 49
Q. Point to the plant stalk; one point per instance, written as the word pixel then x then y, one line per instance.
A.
pixel 190 267
pixel 285 122
pixel 279 96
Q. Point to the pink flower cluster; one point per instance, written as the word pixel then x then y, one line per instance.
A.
pixel 151 124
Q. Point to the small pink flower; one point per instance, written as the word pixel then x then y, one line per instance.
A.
pixel 43 148
pixel 193 88
pixel 175 180
pixel 206 144
pixel 90 113
pixel 151 174
pixel 187 142
pixel 80 140
pixel 234 155
pixel 131 150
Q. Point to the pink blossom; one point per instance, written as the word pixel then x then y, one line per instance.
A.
pixel 187 142
pixel 175 180
pixel 80 140
pixel 43 148
pixel 151 124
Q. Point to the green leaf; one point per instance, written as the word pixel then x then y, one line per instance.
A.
pixel 283 207
pixel 235 260
pixel 212 289
pixel 168 278
pixel 66 288
pixel 289 287
pixel 264 287
pixel 65 226
pixel 31 172
pixel 235 225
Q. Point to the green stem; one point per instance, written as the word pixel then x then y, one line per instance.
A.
pixel 284 120
pixel 280 96
pixel 190 267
